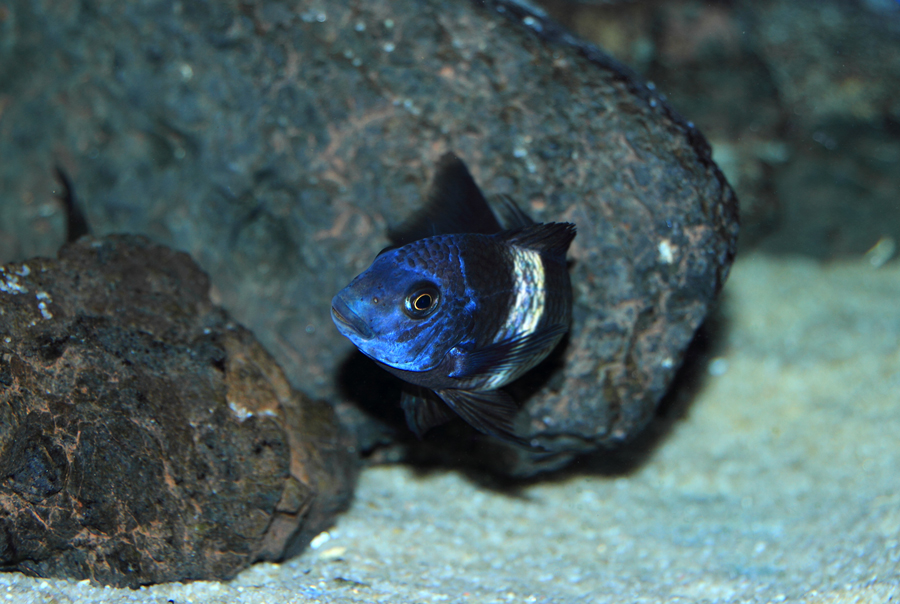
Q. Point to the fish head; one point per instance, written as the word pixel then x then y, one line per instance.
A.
pixel 409 308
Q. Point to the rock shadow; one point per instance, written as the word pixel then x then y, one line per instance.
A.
pixel 373 413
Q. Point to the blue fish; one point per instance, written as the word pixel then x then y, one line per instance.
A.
pixel 460 306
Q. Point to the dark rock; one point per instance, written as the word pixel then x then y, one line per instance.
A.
pixel 276 142
pixel 144 437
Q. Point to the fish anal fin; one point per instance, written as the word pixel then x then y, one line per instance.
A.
pixel 423 410
pixel 508 353
pixel 489 411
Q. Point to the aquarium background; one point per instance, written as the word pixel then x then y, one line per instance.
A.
pixel 771 470
pixel 800 100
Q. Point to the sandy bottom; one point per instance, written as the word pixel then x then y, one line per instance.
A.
pixel 780 481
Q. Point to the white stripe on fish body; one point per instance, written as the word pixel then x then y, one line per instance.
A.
pixel 527 309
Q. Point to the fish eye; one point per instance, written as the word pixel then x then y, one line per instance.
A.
pixel 422 300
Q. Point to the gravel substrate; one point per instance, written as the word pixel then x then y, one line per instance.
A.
pixel 777 481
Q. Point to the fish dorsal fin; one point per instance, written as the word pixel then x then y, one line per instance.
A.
pixel 553 238
pixel 387 249
pixel 506 354
pixel 454 205
pixel 423 409
pixel 508 213
pixel 488 411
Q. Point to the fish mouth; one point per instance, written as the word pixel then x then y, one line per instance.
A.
pixel 344 316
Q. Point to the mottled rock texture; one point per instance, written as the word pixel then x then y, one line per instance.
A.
pixel 276 141
pixel 145 437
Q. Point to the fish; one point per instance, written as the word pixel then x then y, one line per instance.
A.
pixel 465 300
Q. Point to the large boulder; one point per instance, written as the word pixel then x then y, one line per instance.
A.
pixel 144 436
pixel 276 141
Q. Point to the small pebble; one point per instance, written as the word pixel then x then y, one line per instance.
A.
pixel 717 367
pixel 333 553
pixel 319 540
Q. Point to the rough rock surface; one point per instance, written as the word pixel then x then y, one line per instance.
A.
pixel 144 437
pixel 276 141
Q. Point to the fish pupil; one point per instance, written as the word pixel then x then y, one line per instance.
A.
pixel 422 300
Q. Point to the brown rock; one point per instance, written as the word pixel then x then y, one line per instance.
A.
pixel 145 437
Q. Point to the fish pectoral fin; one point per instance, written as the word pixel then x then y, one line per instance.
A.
pixel 552 238
pixel 424 410
pixel 506 354
pixel 488 411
